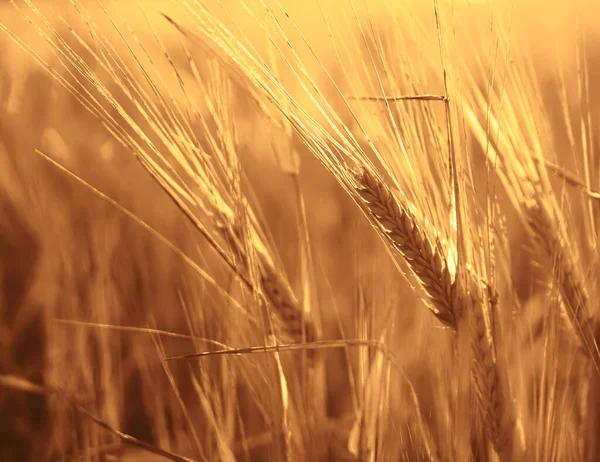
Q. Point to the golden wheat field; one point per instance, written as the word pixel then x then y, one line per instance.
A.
pixel 281 230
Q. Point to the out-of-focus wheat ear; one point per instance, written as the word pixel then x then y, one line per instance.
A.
pixel 490 388
pixel 289 320
pixel 404 233
pixel 294 321
pixel 575 298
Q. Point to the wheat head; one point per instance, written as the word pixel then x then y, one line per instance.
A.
pixel 289 318
pixel 487 379
pixel 574 295
pixel 404 233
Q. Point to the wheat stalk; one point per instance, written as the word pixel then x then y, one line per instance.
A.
pixel 428 264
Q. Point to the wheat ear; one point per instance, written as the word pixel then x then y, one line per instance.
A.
pixel 289 318
pixel 572 289
pixel 429 265
pixel 404 233
pixel 486 375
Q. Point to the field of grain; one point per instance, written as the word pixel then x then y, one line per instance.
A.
pixel 327 230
